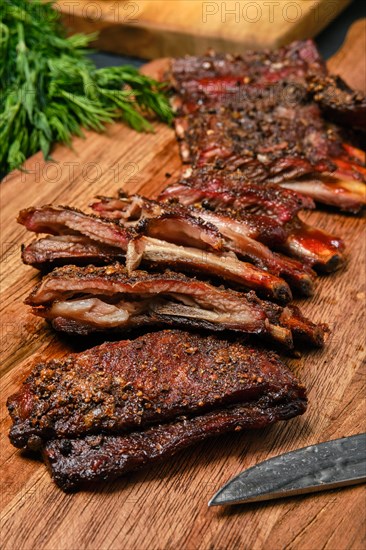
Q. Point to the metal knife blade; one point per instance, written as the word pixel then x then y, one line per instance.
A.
pixel 318 467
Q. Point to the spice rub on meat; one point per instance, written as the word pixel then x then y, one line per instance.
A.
pixel 273 116
pixel 75 462
pixel 118 389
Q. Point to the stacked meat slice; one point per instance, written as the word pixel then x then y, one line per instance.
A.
pixel 119 406
pixel 201 256
pixel 260 151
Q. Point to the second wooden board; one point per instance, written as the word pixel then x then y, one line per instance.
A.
pixel 155 28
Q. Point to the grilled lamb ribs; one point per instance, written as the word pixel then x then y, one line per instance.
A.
pixel 229 189
pixel 281 144
pixel 138 247
pixel 296 71
pixel 286 146
pixel 56 250
pixel 74 462
pixel 117 407
pixel 260 151
pixel 85 300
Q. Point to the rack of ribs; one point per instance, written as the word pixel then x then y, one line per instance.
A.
pixel 263 137
pixel 267 115
pixel 117 407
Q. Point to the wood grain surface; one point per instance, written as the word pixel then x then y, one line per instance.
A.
pixel 156 28
pixel 165 507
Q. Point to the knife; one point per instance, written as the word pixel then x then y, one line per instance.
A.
pixel 328 465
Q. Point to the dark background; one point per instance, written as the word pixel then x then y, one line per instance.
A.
pixel 328 41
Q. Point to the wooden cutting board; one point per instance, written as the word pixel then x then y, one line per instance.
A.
pixel 156 28
pixel 165 506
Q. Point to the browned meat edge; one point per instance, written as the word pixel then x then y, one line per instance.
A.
pixel 120 387
pixel 73 463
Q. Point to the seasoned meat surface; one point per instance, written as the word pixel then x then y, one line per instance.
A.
pixel 123 386
pixel 72 462
pixel 283 143
pixel 271 116
pixel 205 82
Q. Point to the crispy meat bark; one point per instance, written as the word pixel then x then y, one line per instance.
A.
pixel 116 407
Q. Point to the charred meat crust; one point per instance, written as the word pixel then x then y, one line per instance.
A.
pixel 74 462
pixel 207 81
pixel 285 143
pixel 300 54
pixel 120 387
pixel 266 115
pixel 338 101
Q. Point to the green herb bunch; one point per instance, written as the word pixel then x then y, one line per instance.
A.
pixel 49 89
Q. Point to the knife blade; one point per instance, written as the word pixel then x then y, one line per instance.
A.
pixel 328 465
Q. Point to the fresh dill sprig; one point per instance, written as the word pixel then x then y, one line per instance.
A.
pixel 50 90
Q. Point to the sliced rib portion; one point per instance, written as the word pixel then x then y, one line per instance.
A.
pixel 64 220
pixel 121 387
pixel 222 188
pixel 236 236
pixel 321 250
pixel 222 194
pixel 57 250
pixel 224 266
pixel 108 299
pixel 72 462
pixel 154 252
pixel 347 195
